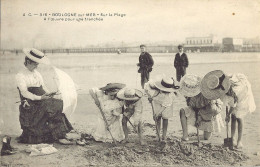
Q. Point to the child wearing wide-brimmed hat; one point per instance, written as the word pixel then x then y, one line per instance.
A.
pixel 162 96
pixel 132 108
pixel 200 111
pixel 105 99
pixel 240 101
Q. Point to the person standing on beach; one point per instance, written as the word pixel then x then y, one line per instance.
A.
pixel 145 65
pixel 181 62
pixel 240 101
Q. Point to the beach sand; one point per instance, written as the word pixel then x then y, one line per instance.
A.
pixel 95 70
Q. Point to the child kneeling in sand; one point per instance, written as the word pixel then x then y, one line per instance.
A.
pixel 111 108
pixel 240 100
pixel 200 111
pixel 161 96
pixel 132 108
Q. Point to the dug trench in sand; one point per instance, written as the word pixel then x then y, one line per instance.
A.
pixel 174 153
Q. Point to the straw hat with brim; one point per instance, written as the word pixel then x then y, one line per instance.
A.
pixel 166 84
pixel 36 55
pixel 190 85
pixel 215 84
pixel 129 94
pixel 111 86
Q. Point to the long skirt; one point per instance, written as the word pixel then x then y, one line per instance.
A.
pixel 43 121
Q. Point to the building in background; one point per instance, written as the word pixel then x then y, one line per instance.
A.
pixel 202 44
pixel 232 45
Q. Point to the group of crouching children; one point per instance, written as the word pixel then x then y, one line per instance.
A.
pixel 205 97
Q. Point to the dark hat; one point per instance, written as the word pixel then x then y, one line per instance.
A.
pixel 112 86
pixel 180 46
pixel 142 45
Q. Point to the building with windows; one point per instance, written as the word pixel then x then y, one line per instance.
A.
pixel 202 44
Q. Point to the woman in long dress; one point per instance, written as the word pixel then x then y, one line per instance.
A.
pixel 41 116
pixel 112 110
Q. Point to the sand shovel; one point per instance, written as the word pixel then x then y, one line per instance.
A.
pixel 94 96
pixel 156 123
pixel 228 141
pixel 198 137
pixel 129 120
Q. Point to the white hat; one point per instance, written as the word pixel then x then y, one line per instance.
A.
pixel 129 94
pixel 36 55
pixel 215 84
pixel 166 84
pixel 190 85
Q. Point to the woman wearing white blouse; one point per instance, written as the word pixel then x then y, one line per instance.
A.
pixel 41 116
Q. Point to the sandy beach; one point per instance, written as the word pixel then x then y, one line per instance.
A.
pixel 95 70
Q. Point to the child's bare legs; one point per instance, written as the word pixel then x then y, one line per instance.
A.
pixel 207 135
pixel 159 118
pixel 240 132
pixel 233 126
pixel 165 126
pixel 140 133
pixel 184 124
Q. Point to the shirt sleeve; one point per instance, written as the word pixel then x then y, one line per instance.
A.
pixel 185 60
pixel 151 62
pixel 21 84
pixel 176 63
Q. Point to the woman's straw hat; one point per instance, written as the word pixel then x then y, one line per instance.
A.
pixel 215 84
pixel 36 55
pixel 166 84
pixel 190 85
pixel 129 94
pixel 113 87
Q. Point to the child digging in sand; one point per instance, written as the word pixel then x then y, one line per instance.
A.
pixel 132 108
pixel 161 96
pixel 200 111
pixel 240 101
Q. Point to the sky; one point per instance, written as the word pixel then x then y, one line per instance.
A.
pixel 144 21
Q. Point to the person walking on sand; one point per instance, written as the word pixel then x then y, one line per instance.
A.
pixel 132 108
pixel 162 96
pixel 181 62
pixel 200 111
pixel 112 109
pixel 145 65
pixel 240 101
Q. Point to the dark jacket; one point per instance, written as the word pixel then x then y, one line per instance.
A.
pixel 181 60
pixel 146 62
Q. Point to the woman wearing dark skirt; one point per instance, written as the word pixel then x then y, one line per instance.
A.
pixel 41 117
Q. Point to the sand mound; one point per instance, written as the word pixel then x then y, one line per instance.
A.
pixel 175 152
